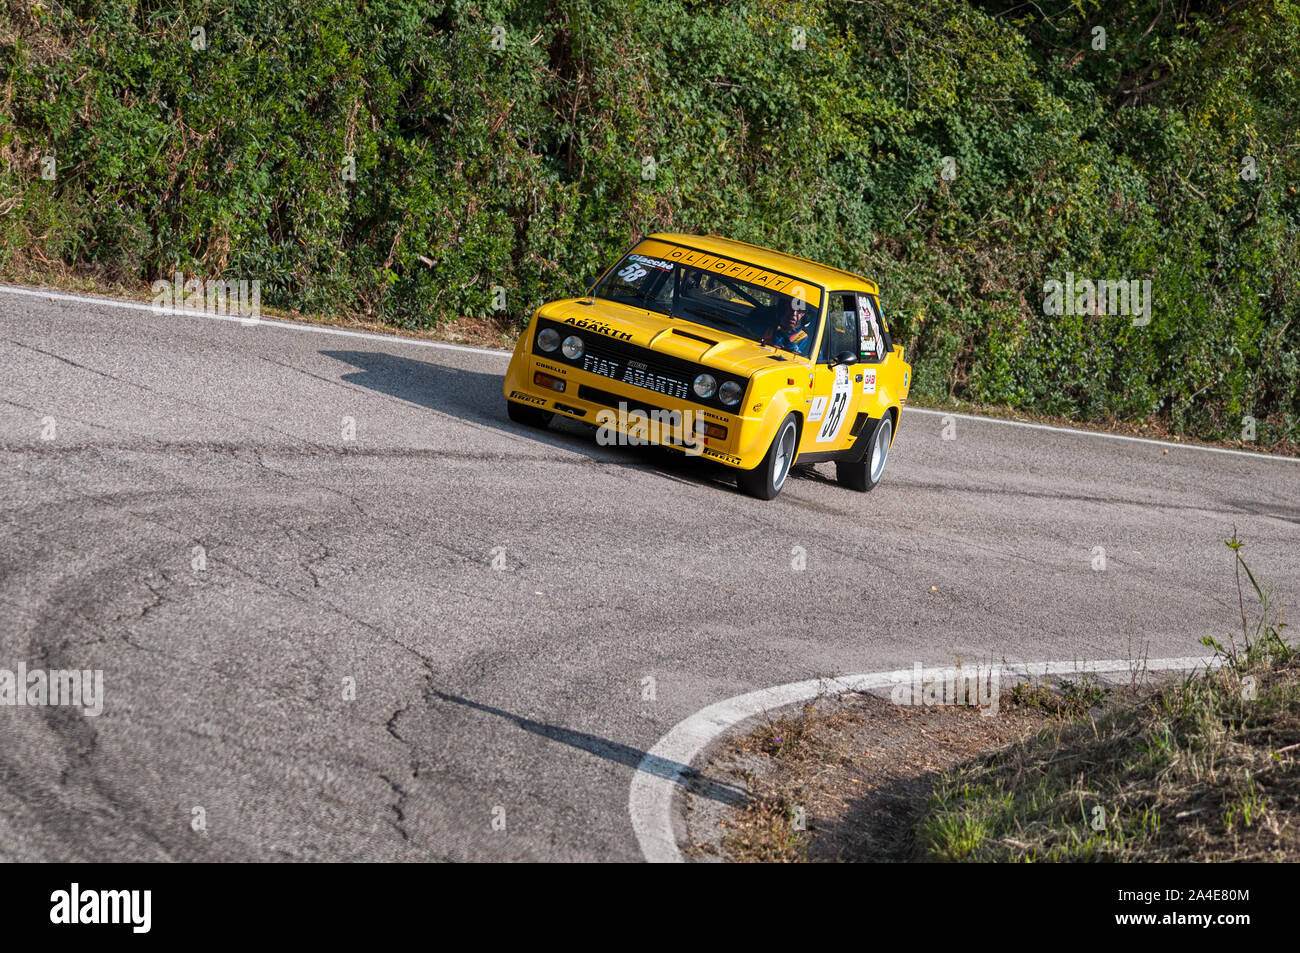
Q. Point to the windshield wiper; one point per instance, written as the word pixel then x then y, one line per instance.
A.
pixel 652 300
pixel 632 293
pixel 716 316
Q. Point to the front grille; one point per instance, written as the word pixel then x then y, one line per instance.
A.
pixel 638 367
pixel 597 396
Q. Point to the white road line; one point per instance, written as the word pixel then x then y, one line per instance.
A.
pixel 1077 432
pixel 440 345
pixel 260 322
pixel 659 775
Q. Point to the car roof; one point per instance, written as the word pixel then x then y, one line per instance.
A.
pixel 834 279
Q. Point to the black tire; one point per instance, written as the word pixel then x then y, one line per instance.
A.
pixel 766 479
pixel 528 416
pixel 864 475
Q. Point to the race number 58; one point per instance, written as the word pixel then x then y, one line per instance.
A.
pixel 835 412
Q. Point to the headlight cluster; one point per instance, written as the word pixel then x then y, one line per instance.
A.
pixel 548 340
pixel 572 347
pixel 706 385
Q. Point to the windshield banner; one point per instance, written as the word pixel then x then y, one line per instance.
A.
pixel 784 284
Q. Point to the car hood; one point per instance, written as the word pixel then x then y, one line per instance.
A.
pixel 676 337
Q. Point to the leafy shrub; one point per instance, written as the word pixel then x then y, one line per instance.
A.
pixel 529 166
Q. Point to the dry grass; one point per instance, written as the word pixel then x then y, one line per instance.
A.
pixel 858 767
pixel 1203 768
pixel 1194 772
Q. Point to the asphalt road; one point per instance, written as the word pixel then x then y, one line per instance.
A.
pixel 512 694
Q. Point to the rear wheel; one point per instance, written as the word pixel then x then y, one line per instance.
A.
pixel 766 479
pixel 865 474
pixel 528 416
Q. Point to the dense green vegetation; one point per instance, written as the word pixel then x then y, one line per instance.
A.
pixel 525 167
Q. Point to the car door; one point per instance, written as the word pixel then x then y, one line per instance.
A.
pixel 836 391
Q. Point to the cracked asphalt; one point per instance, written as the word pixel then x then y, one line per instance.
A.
pixel 199 526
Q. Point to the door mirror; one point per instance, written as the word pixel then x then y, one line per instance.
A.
pixel 844 357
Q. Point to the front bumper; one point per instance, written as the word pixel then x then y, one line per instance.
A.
pixel 666 420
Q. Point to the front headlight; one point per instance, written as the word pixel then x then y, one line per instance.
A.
pixel 573 347
pixel 548 340
pixel 730 393
pixel 705 385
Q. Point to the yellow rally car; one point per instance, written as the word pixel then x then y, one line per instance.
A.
pixel 744 355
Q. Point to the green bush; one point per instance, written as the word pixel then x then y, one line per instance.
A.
pixel 526 167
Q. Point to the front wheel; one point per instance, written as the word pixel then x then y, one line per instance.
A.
pixel 865 474
pixel 766 479
pixel 528 416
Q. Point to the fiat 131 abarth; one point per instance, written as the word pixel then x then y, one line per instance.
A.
pixel 749 357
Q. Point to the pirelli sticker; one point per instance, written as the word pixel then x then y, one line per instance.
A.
pixel 804 290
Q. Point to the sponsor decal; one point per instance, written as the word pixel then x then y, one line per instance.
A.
pixel 724 457
pixel 809 294
pixel 527 398
pixel 869 382
pixel 654 382
pixel 552 368
pixel 867 341
pixel 835 413
pixel 636 374
pixel 652 262
pixel 818 408
pixel 600 327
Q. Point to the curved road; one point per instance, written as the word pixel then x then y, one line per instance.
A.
pixel 503 600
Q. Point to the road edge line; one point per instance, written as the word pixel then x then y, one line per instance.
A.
pixel 469 349
pixel 248 322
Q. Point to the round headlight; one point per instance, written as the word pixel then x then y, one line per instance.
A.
pixel 730 392
pixel 573 347
pixel 705 385
pixel 549 339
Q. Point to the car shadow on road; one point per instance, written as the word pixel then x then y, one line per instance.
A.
pixel 681 774
pixel 475 397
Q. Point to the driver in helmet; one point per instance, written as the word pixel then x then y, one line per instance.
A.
pixel 793 330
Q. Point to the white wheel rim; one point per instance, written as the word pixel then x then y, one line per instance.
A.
pixel 784 454
pixel 880 449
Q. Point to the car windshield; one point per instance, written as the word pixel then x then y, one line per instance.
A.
pixel 706 297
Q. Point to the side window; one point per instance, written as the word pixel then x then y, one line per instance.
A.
pixel 841 326
pixel 874 342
